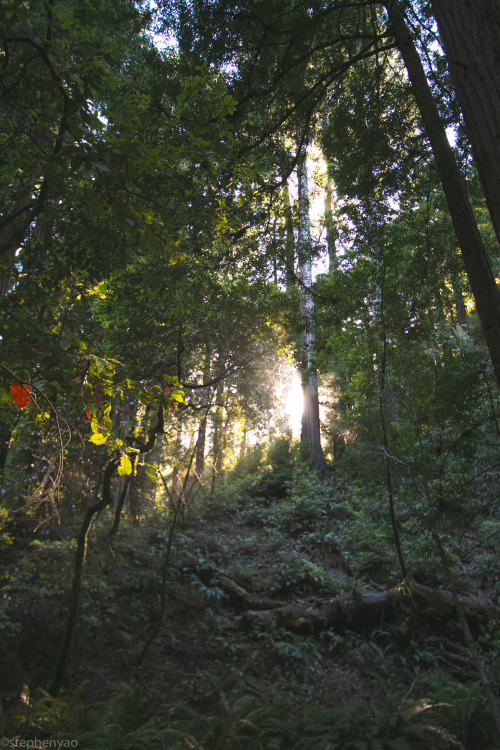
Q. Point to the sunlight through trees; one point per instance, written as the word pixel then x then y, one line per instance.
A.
pixel 249 373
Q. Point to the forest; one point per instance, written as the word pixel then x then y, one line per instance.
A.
pixel 250 374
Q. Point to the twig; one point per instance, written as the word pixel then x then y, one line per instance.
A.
pixel 405 696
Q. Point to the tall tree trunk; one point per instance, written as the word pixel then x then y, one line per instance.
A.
pixel 470 33
pixel 218 427
pixel 384 423
pixel 199 463
pixel 458 294
pixel 477 264
pixel 290 244
pixel 310 433
pixel 81 549
pixel 122 492
pixel 331 231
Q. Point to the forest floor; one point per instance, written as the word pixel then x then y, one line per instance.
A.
pixel 244 658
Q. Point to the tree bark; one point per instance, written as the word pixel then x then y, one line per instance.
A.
pixel 74 602
pixel 365 611
pixel 217 434
pixel 331 231
pixel 310 433
pixel 120 503
pixel 477 264
pixel 290 244
pixel 470 34
pixel 199 464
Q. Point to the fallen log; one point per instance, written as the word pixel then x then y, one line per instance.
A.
pixel 367 611
pixel 241 597
pixel 354 613
pixel 479 607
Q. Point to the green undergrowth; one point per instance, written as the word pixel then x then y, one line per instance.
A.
pixel 221 712
pixel 220 676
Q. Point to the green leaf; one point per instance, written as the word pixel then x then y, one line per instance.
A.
pixel 177 396
pixel 125 467
pixel 65 15
pixel 98 438
pixel 151 472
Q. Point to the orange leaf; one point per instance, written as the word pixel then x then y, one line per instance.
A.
pixel 20 394
pixel 89 414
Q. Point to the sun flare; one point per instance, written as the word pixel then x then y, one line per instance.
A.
pixel 293 403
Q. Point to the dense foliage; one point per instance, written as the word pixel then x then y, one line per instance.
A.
pixel 197 198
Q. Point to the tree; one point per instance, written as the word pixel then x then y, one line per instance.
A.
pixel 331 230
pixel 311 432
pixel 476 261
pixel 469 33
pixel 58 65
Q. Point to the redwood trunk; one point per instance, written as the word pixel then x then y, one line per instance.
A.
pixel 290 244
pixel 310 433
pixel 470 33
pixel 331 231
pixel 477 264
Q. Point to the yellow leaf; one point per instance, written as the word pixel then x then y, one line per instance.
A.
pixel 125 466
pixel 98 438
